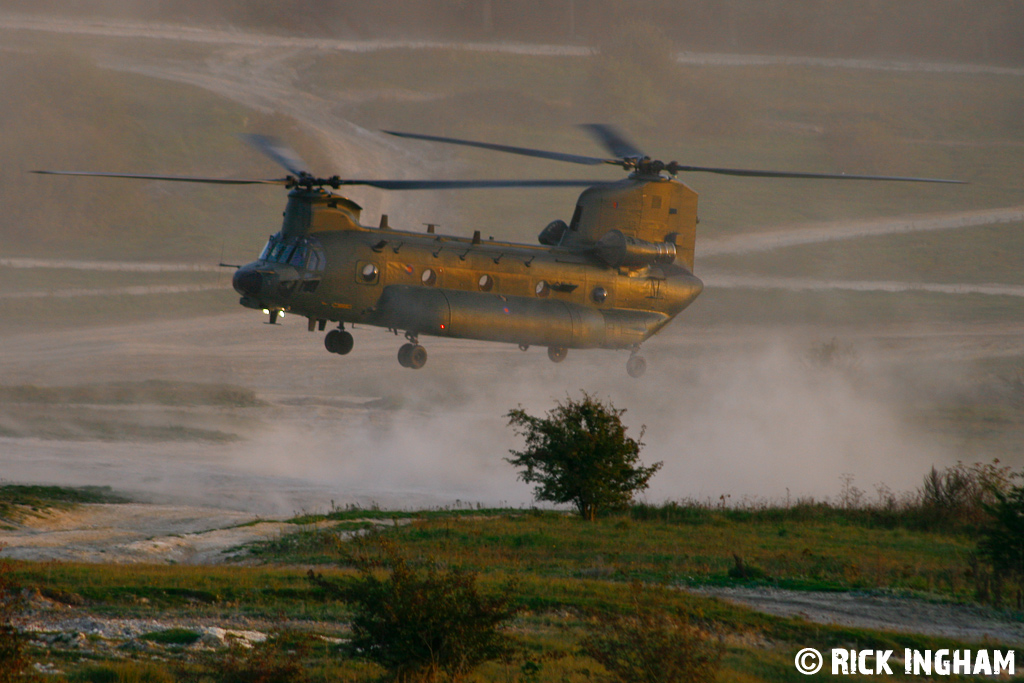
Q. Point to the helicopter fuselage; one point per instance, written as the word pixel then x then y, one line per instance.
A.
pixel 326 266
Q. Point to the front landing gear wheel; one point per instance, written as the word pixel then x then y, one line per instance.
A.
pixel 339 341
pixel 412 356
pixel 557 353
pixel 636 366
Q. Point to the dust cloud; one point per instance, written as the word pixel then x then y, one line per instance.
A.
pixel 757 421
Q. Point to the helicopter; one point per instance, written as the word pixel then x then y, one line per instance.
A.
pixel 612 277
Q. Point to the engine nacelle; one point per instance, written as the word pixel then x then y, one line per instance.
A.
pixel 618 249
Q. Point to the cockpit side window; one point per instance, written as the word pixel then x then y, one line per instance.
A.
pixel 316 260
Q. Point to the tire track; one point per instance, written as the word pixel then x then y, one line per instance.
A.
pixel 816 233
pixel 721 280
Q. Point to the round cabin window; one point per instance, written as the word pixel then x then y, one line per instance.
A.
pixel 429 277
pixel 486 283
pixel 599 295
pixel 542 288
pixel 369 272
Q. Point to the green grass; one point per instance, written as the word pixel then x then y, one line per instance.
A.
pixel 833 552
pixel 567 574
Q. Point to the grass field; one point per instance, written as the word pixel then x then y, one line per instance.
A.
pixel 566 574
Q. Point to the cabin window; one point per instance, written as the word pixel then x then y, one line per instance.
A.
pixel 542 289
pixel 369 273
pixel 599 295
pixel 429 277
pixel 486 283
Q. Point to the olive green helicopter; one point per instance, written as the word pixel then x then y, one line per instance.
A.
pixel 610 278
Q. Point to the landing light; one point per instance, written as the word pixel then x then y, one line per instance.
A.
pixel 266 311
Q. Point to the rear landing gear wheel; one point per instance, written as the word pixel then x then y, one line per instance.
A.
pixel 412 356
pixel 636 366
pixel 339 341
pixel 557 353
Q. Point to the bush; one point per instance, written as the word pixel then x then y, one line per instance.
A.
pixel 13 660
pixel 420 623
pixel 959 496
pixel 580 454
pixel 654 646
pixel 1002 538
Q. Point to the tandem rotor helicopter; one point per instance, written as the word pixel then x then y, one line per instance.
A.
pixel 611 278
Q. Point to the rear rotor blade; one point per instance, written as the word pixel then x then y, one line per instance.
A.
pixel 284 155
pixel 174 178
pixel 523 151
pixel 750 173
pixel 613 140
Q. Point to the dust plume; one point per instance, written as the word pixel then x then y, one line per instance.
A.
pixel 749 420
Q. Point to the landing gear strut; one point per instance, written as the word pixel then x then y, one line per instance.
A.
pixel 412 355
pixel 636 366
pixel 339 341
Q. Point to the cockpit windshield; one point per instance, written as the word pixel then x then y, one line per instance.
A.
pixel 303 253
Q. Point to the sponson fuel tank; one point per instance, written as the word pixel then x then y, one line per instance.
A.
pixel 492 317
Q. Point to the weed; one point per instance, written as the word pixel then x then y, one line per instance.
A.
pixel 652 645
pixel 421 623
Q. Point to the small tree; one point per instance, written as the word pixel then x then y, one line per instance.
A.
pixel 580 454
pixel 420 623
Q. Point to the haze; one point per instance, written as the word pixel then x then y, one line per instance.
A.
pixel 870 330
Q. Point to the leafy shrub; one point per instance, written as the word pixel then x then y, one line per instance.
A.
pixel 421 623
pixel 580 454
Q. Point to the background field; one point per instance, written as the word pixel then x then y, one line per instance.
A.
pixel 841 359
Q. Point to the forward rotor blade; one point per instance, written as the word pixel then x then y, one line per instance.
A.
pixel 284 155
pixel 468 184
pixel 750 173
pixel 523 151
pixel 173 178
pixel 613 140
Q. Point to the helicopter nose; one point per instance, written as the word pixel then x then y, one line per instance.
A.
pixel 247 282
